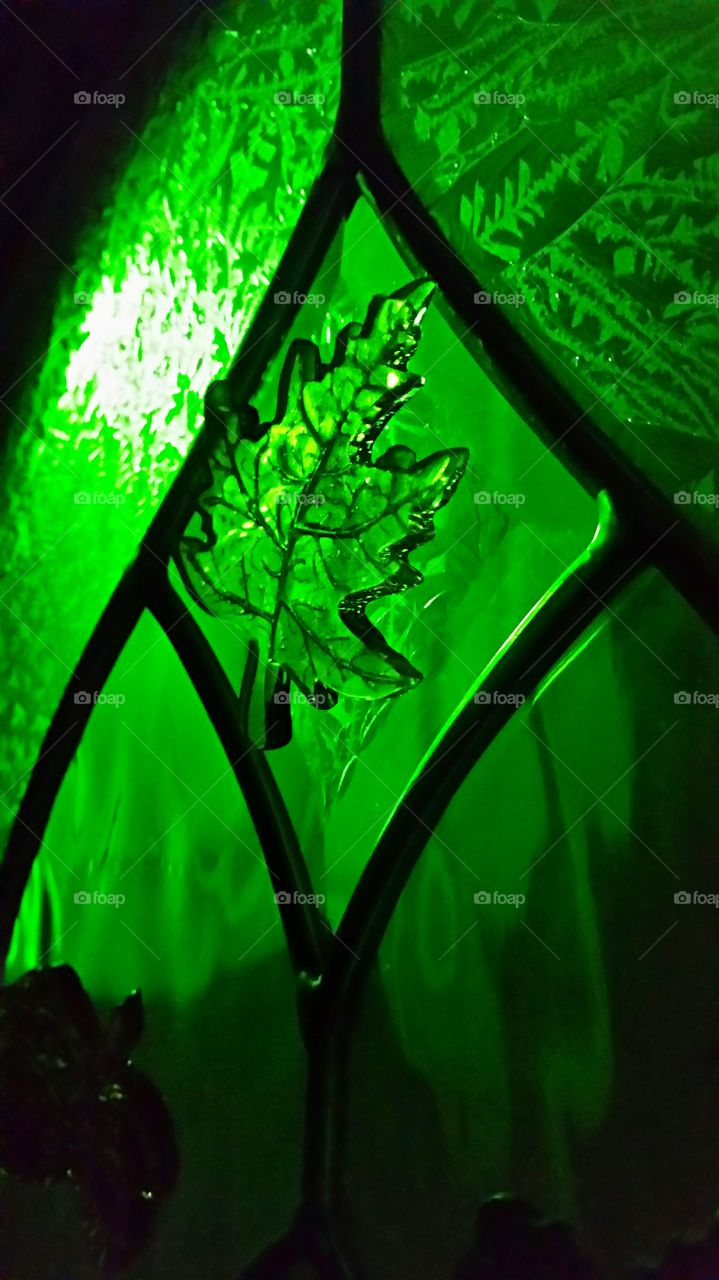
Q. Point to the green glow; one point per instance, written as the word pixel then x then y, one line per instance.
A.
pixel 166 285
pixel 174 881
pixel 502 1047
pixel 331 524
pixel 144 335
pixel 587 211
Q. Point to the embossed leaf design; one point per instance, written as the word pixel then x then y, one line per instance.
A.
pixel 301 530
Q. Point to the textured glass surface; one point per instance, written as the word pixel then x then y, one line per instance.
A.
pixel 562 1046
pixel 569 152
pixel 301 530
pixel 520 1038
pixel 509 531
pixel 166 286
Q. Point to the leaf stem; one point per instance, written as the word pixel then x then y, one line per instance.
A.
pixel 268 811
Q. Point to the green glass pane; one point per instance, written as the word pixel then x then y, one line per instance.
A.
pixel 520 1035
pixel 167 284
pixel 548 982
pixel 514 524
pixel 569 152
pixel 151 877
